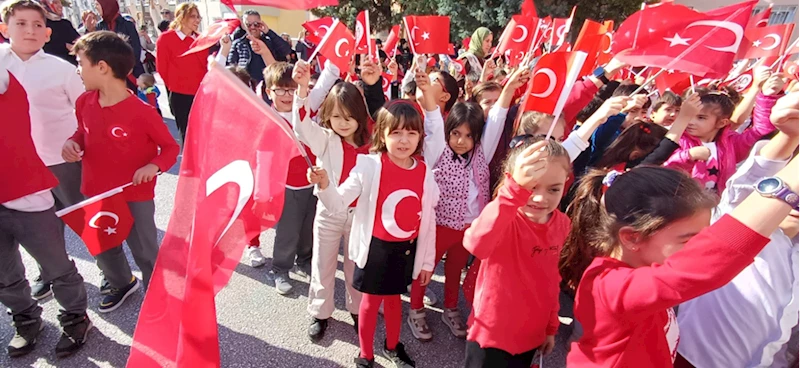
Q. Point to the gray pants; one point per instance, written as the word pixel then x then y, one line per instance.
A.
pixel 143 243
pixel 294 231
pixel 42 236
pixel 68 191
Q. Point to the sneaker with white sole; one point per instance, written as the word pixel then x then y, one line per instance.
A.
pixel 398 356
pixel 116 297
pixel 452 318
pixel 256 258
pixel 419 326
pixel 282 284
pixel 430 298
pixel 40 290
pixel 27 332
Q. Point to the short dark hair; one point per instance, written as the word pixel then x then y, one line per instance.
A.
pixel 450 86
pixel 279 75
pixel 668 98
pixel 163 26
pixel 724 104
pixel 8 8
pixel 109 47
pixel 240 73
pixel 251 12
pixel 625 89
pixel 397 114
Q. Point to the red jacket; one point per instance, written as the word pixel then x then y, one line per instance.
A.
pixel 118 140
pixel 516 299
pixel 181 74
pixel 625 312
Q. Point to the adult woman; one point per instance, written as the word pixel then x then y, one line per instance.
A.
pixel 181 76
pixel 479 46
pixel 89 20
pixel 64 34
pixel 113 21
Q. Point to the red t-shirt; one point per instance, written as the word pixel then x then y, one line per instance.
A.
pixel 398 211
pixel 118 140
pixel 349 161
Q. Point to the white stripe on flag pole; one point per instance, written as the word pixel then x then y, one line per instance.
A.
pixel 91 200
pixel 572 76
pixel 324 39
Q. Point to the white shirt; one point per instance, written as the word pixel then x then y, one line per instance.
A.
pixel 52 86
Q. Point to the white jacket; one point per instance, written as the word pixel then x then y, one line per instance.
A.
pixel 363 184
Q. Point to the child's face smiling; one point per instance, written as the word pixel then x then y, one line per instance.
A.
pixel 282 98
pixel 345 126
pixel 27 31
pixel 548 191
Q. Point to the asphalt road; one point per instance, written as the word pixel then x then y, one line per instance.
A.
pixel 257 327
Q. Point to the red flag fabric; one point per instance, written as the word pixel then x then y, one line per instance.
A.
pixel 552 80
pixel 428 34
pixel 211 36
pixel 103 221
pixel 387 85
pixel 673 36
pixel 742 82
pixel 590 40
pixel 791 70
pixel 517 38
pixel 283 4
pixel 674 81
pixel 765 41
pixel 529 9
pixel 318 29
pixel 390 46
pixel 761 19
pixel 605 55
pixel 362 33
pixel 337 46
pixel 558 31
pixel 230 188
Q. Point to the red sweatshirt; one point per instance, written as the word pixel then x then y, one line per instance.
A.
pixel 516 299
pixel 626 312
pixel 181 74
pixel 118 140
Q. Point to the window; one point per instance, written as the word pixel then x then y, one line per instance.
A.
pixel 782 14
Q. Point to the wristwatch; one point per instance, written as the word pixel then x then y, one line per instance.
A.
pixel 773 187
pixel 600 74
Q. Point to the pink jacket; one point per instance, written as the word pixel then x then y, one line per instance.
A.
pixel 731 146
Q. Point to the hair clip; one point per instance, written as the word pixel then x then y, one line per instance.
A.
pixel 610 177
pixel 644 128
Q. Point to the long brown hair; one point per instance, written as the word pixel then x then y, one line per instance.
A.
pixel 184 10
pixel 351 104
pixel 643 136
pixel 397 114
pixel 647 198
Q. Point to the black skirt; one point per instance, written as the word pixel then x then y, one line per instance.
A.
pixel 389 268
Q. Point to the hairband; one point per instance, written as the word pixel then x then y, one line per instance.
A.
pixel 610 177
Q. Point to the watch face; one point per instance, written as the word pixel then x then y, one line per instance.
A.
pixel 768 186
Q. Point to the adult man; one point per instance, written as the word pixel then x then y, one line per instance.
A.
pixel 242 53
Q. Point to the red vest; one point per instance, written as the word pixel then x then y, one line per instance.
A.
pixel 22 170
pixel 398 211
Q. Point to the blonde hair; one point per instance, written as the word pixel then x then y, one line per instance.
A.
pixel 183 11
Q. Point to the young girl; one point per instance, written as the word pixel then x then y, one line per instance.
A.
pixel 654 249
pixel 518 238
pixel 393 239
pixel 342 135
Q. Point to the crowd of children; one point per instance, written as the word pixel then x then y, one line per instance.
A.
pixel 658 214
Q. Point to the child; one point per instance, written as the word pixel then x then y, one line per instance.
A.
pixel 666 109
pixel 27 216
pixel 52 87
pixel 459 150
pixel 652 249
pixel 342 135
pixel 393 237
pixel 518 238
pixel 148 91
pixel 746 322
pixel 709 151
pixel 486 94
pixel 118 141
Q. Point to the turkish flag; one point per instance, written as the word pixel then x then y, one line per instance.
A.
pixel 605 55
pixel 742 82
pixel 529 9
pixel 103 222
pixel 674 81
pixel 230 188
pixel 552 80
pixel 211 36
pixel 761 19
pixel 765 41
pixel 362 33
pixel 558 32
pixel 337 46
pixel 672 36
pixel 428 34
pixel 517 38
pixel 460 66
pixel 387 85
pixel 318 29
pixel 790 70
pixel 390 46
pixel 283 4
pixel 590 40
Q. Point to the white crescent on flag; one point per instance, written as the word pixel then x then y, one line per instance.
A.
pixel 237 172
pixel 99 214
pixel 551 80
pixel 524 33
pixel 776 40
pixel 337 48
pixel 414 36
pixel 390 208
pixel 737 30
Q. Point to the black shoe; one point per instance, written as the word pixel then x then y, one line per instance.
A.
pixel 105 287
pixel 364 363
pixel 41 290
pixel 398 356
pixel 75 329
pixel 27 332
pixel 355 321
pixel 317 329
pixel 116 297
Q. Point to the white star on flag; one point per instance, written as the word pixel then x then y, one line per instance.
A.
pixel 756 43
pixel 110 230
pixel 677 40
pixel 426 35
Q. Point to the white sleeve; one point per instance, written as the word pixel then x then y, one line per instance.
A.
pixel 435 140
pixel 309 132
pixel 221 58
pixel 493 130
pixel 574 145
pixel 407 78
pixel 328 77
pixel 337 198
pixel 74 88
pixel 4 80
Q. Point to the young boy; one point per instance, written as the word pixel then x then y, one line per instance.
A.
pixel 666 109
pixel 27 216
pixel 52 88
pixel 117 140
pixel 148 92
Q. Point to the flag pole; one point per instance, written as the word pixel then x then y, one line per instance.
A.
pixel 691 80
pixel 91 200
pixel 638 25
pixel 324 39
pixel 646 82
pixel 783 56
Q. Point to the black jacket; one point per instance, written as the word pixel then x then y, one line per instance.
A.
pixel 63 33
pixel 276 45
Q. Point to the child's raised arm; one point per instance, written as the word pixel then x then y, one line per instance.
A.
pixel 435 140
pixel 310 133
pixel 328 77
pixel 496 119
pixel 578 140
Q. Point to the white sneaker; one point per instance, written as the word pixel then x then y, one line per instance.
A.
pixel 256 258
pixel 419 326
pixel 282 284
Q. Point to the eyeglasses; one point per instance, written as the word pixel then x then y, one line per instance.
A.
pixel 165 12
pixel 253 25
pixel 282 91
